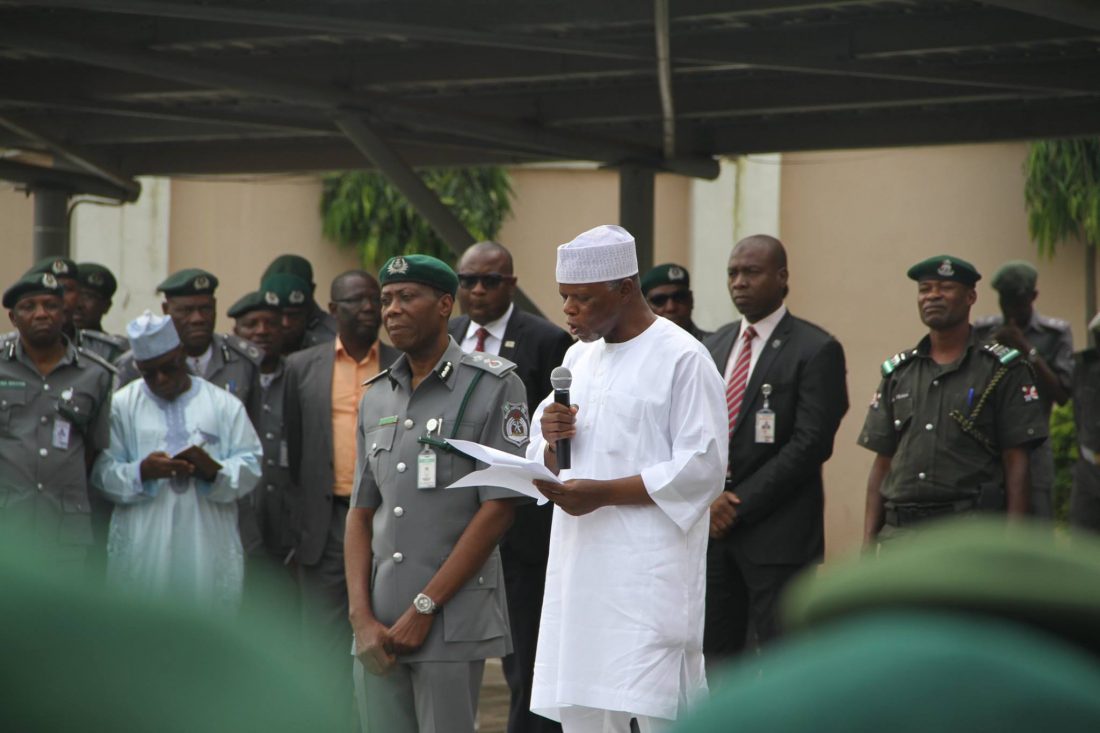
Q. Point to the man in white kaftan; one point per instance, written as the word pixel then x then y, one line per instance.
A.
pixel 174 527
pixel 622 618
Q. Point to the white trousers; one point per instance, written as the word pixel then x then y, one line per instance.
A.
pixel 577 719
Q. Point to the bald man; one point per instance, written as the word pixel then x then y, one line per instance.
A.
pixel 785 396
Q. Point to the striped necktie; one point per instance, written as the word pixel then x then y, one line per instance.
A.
pixel 481 334
pixel 739 379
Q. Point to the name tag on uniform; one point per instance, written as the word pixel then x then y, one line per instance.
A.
pixel 284 455
pixel 425 469
pixel 62 429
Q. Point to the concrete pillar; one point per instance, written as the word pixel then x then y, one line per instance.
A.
pixel 51 223
pixel 636 210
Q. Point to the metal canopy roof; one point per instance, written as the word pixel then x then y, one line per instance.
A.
pixel 110 89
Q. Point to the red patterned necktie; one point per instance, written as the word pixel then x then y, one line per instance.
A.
pixel 481 334
pixel 735 389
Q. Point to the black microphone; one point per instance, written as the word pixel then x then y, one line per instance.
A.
pixel 560 379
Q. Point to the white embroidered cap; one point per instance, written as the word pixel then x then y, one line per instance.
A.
pixel 151 336
pixel 598 255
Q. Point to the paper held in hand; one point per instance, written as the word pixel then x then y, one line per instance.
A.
pixel 505 470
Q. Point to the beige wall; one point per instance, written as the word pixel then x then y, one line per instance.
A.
pixel 553 205
pixel 16 235
pixel 854 221
pixel 235 228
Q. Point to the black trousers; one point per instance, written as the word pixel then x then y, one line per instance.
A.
pixel 524 583
pixel 742 602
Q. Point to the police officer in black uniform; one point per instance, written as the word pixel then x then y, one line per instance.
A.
pixel 953 421
pixel 96 286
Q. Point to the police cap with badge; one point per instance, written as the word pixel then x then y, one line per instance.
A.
pixel 33 283
pixel 666 274
pixel 295 265
pixel 97 278
pixel 254 301
pixel 291 290
pixel 1015 279
pixel 60 267
pixel 191 281
pixel 945 267
pixel 423 269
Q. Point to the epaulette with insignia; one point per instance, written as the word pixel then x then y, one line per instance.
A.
pixel 245 348
pixel 495 365
pixel 902 357
pixel 988 321
pixel 1056 323
pixel 94 357
pixel 376 377
pixel 1002 353
pixel 117 341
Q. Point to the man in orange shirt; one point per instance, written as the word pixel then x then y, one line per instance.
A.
pixel 323 387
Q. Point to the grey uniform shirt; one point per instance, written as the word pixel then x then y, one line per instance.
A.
pixel 106 345
pixel 1053 341
pixel 234 366
pixel 47 424
pixel 415 529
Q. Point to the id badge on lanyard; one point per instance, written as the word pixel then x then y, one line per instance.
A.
pixel 765 418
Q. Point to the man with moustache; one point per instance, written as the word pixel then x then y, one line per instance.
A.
pixel 953 420
pixel 324 384
pixel 266 515
pixel 225 361
pixel 415 551
pixel 785 397
pixel 491 324
pixel 182 454
pixel 622 621
pixel 54 420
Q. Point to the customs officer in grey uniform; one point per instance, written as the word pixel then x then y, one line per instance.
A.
pixel 1048 346
pixel 226 361
pixel 425 582
pixel 96 286
pixel 54 419
pixel 266 514
pixel 953 421
pixel 307 324
pixel 1084 503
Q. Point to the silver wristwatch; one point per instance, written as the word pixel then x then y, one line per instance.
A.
pixel 425 605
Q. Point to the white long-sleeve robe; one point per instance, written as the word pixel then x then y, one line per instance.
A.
pixel 180 535
pixel 622 616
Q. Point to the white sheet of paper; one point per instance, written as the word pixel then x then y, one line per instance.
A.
pixel 505 470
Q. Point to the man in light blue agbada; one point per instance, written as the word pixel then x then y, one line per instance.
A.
pixel 182 452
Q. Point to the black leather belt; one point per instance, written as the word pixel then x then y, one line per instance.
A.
pixel 906 515
pixel 344 500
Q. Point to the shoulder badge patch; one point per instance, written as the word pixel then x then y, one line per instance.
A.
pixel 1030 393
pixel 516 425
pixel 891 365
pixel 1002 353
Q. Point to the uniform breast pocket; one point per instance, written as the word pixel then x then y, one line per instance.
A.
pixel 77 407
pixel 12 405
pixel 378 443
pixel 902 409
pixel 474 613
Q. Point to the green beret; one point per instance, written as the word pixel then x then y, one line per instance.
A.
pixel 32 283
pixel 423 269
pixel 1015 278
pixel 666 274
pixel 56 266
pixel 944 267
pixel 290 265
pixel 291 289
pixel 191 281
pixel 96 277
pixel 267 300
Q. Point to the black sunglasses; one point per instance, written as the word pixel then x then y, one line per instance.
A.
pixel 492 281
pixel 680 296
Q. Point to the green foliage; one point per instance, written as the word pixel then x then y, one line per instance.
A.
pixel 362 209
pixel 1062 192
pixel 1063 439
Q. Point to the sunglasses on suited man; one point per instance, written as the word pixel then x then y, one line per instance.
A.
pixel 491 281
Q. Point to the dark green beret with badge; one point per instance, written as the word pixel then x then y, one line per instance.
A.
pixel 423 269
pixel 96 277
pixel 945 267
pixel 56 266
pixel 266 300
pixel 666 274
pixel 291 290
pixel 295 265
pixel 191 281
pixel 1015 278
pixel 33 283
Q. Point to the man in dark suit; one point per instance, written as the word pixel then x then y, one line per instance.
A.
pixel 486 286
pixel 786 394
pixel 323 389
